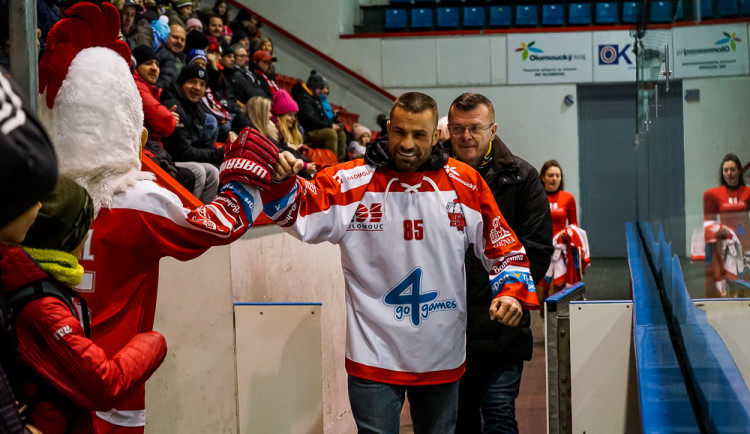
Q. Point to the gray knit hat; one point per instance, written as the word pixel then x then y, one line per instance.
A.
pixel 315 81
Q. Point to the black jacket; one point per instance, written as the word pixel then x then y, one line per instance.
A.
pixel 184 143
pixel 311 115
pixel 520 196
pixel 167 67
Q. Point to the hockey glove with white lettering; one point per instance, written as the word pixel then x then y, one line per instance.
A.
pixel 249 159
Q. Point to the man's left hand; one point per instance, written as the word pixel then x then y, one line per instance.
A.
pixel 506 310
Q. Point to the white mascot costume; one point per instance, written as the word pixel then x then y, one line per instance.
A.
pixel 94 115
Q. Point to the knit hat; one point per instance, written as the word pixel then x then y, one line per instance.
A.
pixel 315 81
pixel 194 24
pixel 263 55
pixel 195 54
pixel 142 54
pixel 195 39
pixel 161 30
pixel 213 44
pixel 283 103
pixel 64 219
pixel 28 165
pixel 191 71
pixel 360 130
pixel 239 35
pixel 179 4
pixel 137 7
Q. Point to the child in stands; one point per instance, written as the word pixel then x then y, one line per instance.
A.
pixel 64 375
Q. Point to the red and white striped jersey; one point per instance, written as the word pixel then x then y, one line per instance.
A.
pixel 403 236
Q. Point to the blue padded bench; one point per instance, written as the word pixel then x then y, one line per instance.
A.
pixel 553 14
pixel 526 15
pixel 395 19
pixel 579 13
pixel 421 18
pixel 500 16
pixel 473 16
pixel 606 13
pixel 447 17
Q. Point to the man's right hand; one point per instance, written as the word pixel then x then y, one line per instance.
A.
pixel 249 159
pixel 287 166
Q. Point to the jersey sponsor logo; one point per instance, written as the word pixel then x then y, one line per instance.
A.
pixel 367 219
pixel 290 213
pixel 453 173
pixel 353 178
pixel 408 300
pixel 62 331
pixel 512 277
pixel 311 187
pixel 499 235
pixel 456 215
pixel 553 205
pixel 500 266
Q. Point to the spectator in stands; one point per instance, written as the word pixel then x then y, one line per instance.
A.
pixel 443 129
pixel 159 120
pixel 195 40
pixel 317 126
pixel 263 71
pixel 266 44
pixel 188 143
pixel 495 353
pixel 215 26
pixel 22 186
pixel 181 12
pixel 327 107
pixel 393 351
pixel 194 24
pixel 218 100
pixel 241 37
pixel 198 57
pixel 248 24
pixel 241 80
pixel 284 111
pixel 221 9
pixel 357 147
pixel 67 375
pixel 171 56
pixel 128 12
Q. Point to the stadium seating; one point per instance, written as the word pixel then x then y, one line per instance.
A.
pixel 421 18
pixel 447 17
pixel 553 14
pixel 500 16
pixel 745 7
pixel 631 12
pixel 395 19
pixel 727 8
pixel 526 15
pixel 661 12
pixel 579 14
pixel 473 16
pixel 606 13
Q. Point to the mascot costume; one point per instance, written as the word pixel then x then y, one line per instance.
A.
pixel 94 115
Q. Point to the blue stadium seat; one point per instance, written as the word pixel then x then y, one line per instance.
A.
pixel 707 9
pixel 526 15
pixel 553 14
pixel 579 13
pixel 395 19
pixel 606 13
pixel 500 16
pixel 421 18
pixel 727 8
pixel 679 12
pixel 473 16
pixel 447 17
pixel 399 2
pixel 661 11
pixel 745 7
pixel 631 12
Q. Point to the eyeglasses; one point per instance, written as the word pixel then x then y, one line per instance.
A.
pixel 474 130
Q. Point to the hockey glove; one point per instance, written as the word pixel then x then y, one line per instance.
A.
pixel 249 159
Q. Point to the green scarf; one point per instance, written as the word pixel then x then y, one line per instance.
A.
pixel 62 266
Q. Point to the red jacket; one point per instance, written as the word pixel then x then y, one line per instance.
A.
pixel 54 350
pixel 156 117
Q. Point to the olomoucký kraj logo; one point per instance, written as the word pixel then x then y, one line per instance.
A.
pixel 528 47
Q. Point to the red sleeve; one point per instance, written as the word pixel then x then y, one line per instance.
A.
pixel 710 205
pixel 156 117
pixel 52 342
pixel 572 212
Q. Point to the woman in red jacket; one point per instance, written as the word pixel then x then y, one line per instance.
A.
pixel 561 203
pixel 65 375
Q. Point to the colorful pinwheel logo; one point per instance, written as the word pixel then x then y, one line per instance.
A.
pixel 526 48
pixel 730 39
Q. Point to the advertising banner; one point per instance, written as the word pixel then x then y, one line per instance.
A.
pixel 535 58
pixel 706 51
pixel 614 59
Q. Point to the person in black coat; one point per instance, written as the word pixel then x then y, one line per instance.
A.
pixel 318 127
pixel 495 353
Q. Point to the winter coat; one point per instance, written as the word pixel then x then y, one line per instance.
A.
pixel 55 351
pixel 245 85
pixel 311 115
pixel 156 116
pixel 521 198
pixel 184 144
pixel 167 67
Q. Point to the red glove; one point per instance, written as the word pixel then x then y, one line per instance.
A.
pixel 249 159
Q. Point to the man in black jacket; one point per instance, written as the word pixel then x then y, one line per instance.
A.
pixel 495 353
pixel 318 127
pixel 188 145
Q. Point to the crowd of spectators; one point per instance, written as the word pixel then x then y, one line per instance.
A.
pixel 188 115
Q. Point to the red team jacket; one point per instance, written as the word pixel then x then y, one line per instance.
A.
pixel 55 351
pixel 403 236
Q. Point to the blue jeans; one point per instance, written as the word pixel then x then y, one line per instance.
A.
pixel 376 407
pixel 487 398
pixel 210 132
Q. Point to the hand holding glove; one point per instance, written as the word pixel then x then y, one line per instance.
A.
pixel 249 159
